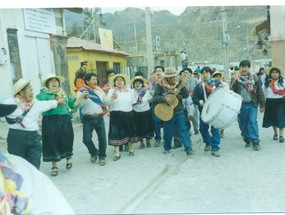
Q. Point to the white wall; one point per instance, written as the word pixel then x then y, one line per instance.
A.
pixel 34 47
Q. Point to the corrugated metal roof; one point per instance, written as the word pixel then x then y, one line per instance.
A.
pixel 74 42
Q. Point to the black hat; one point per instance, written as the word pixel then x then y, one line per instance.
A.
pixel 83 63
pixel 6 109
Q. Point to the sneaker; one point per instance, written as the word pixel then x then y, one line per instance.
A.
pixel 256 146
pixel 177 146
pixel 215 153
pixel 275 137
pixel 102 161
pixel 166 152
pixel 247 144
pixel 93 158
pixel 207 148
pixel 189 153
pixel 157 143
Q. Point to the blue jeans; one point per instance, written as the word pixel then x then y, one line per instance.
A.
pixel 179 121
pixel 248 122
pixel 156 124
pixel 214 140
pixel 89 124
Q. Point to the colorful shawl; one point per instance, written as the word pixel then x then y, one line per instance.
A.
pixel 247 83
pixel 94 97
pixel 141 92
pixel 272 85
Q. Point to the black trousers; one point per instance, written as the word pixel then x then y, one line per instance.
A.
pixel 25 144
pixel 89 125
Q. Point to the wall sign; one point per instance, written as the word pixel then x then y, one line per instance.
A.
pixel 41 20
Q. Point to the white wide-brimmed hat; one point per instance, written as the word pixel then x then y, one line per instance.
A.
pixel 125 77
pixel 49 76
pixel 170 72
pixel 139 78
pixel 20 84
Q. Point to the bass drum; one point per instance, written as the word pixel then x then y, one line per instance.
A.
pixel 221 108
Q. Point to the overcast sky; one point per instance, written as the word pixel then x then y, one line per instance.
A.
pixel 175 10
pixel 176 5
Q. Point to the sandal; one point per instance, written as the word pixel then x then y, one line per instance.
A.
pixel 281 139
pixel 54 171
pixel 68 163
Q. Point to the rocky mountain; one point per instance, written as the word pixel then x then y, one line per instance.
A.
pixel 198 31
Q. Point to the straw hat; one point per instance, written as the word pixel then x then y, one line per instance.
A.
pixel 125 77
pixel 49 76
pixel 20 84
pixel 6 109
pixel 217 73
pixel 170 72
pixel 139 78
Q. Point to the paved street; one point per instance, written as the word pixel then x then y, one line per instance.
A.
pixel 240 181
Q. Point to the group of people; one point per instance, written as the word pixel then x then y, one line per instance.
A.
pixel 134 108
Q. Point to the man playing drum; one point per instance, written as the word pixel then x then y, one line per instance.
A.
pixel 201 93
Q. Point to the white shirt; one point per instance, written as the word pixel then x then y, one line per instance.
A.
pixel 269 93
pixel 46 198
pixel 144 106
pixel 30 121
pixel 124 102
pixel 88 106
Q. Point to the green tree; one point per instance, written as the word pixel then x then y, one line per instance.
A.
pixel 76 30
pixel 92 21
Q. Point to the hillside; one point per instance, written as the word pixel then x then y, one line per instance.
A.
pixel 198 31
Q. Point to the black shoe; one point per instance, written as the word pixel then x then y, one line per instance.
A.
pixel 196 132
pixel 256 146
pixel 93 158
pixel 207 148
pixel 275 137
pixel 54 171
pixel 247 144
pixel 131 154
pixel 166 152
pixel 281 139
pixel 189 153
pixel 116 158
pixel 177 146
pixel 215 153
pixel 102 162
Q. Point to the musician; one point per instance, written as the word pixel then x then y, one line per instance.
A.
pixel 274 115
pixel 249 87
pixel 169 85
pixel 201 92
pixel 219 76
pixel 122 128
pixel 158 74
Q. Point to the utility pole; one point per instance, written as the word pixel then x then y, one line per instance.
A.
pixel 148 42
pixel 225 39
pixel 136 41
